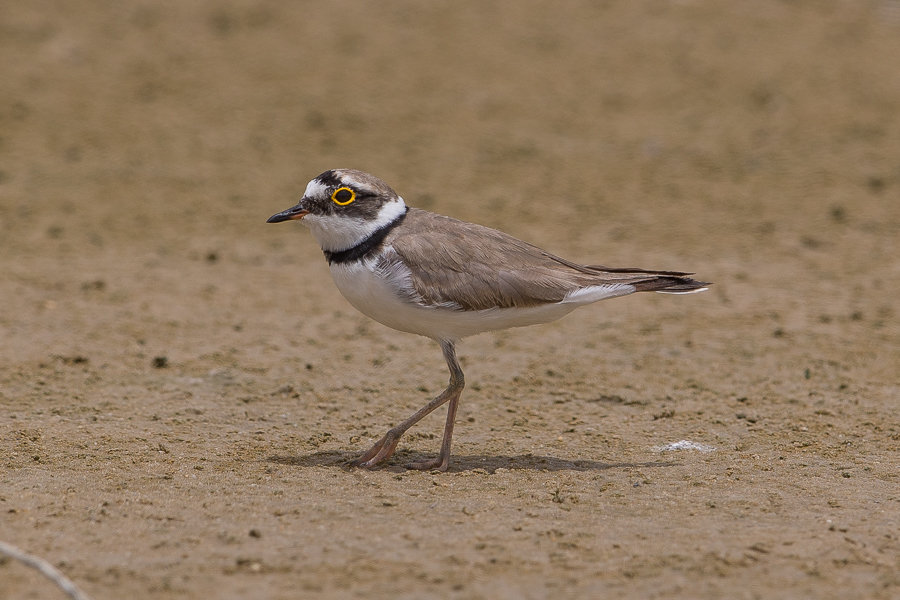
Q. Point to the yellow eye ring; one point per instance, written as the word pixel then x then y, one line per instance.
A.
pixel 343 196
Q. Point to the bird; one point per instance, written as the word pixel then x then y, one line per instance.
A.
pixel 432 275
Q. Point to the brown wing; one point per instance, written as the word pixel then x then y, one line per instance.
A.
pixel 477 268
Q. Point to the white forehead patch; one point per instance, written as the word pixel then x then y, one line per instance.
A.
pixel 315 189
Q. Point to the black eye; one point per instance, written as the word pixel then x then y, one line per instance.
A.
pixel 343 196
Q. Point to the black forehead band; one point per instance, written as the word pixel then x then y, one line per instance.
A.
pixel 329 179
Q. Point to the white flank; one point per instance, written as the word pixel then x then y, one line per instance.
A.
pixel 339 232
pixel 697 291
pixel 594 293
pixel 387 296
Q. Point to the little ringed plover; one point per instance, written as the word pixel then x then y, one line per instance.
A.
pixel 445 279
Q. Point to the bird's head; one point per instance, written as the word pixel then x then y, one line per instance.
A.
pixel 343 207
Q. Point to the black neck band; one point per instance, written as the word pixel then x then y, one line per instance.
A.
pixel 365 247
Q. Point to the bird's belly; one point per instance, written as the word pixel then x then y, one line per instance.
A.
pixel 381 297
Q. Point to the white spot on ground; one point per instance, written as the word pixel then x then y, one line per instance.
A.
pixel 685 445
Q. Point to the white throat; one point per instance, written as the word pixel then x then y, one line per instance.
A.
pixel 340 232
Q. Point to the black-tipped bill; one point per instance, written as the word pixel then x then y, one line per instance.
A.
pixel 294 212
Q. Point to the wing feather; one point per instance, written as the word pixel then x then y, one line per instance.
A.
pixel 476 267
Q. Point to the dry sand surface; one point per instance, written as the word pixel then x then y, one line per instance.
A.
pixel 180 383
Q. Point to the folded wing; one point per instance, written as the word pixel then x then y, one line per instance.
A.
pixel 476 268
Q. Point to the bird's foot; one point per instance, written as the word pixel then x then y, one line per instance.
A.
pixel 437 464
pixel 382 450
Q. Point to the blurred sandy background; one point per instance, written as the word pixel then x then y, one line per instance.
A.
pixel 180 382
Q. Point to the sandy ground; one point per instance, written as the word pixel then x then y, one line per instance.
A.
pixel 180 383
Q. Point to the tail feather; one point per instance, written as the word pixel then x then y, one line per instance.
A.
pixel 672 284
pixel 643 280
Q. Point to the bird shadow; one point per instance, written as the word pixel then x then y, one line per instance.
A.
pixel 462 463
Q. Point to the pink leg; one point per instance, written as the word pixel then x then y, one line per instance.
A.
pixel 385 447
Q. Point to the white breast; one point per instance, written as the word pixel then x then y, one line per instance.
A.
pixel 387 297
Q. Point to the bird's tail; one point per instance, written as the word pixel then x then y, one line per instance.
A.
pixel 672 284
pixel 643 280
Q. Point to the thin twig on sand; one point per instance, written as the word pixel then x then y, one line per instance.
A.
pixel 46 569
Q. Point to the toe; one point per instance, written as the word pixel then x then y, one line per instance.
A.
pixel 429 465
